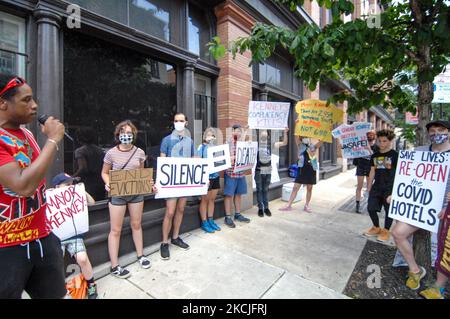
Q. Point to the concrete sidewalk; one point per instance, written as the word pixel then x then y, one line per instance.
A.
pixel 289 255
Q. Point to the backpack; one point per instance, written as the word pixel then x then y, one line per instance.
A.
pixel 293 170
pixel 77 287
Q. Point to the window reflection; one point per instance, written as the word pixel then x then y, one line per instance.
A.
pixel 199 31
pixel 151 17
pixel 105 84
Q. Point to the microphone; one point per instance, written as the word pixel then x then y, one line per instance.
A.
pixel 43 118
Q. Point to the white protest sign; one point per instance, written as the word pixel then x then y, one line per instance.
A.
pixel 268 115
pixel 419 188
pixel 353 139
pixel 218 158
pixel 67 206
pixel 275 178
pixel 246 155
pixel 181 177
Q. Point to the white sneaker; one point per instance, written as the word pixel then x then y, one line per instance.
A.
pixel 144 262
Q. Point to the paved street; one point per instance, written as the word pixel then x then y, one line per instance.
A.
pixel 289 255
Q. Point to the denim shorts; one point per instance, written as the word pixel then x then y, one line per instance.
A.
pixel 235 186
pixel 73 246
pixel 123 200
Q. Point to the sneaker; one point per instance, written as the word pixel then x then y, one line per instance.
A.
pixel 267 212
pixel 383 236
pixel 92 291
pixel 229 222
pixel 373 231
pixel 164 250
pixel 307 209
pixel 433 293
pixel 180 243
pixel 120 272
pixel 144 262
pixel 413 281
pixel 207 227
pixel 260 213
pixel 213 225
pixel 357 208
pixel 241 218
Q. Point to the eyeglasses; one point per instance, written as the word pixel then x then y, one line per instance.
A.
pixel 16 82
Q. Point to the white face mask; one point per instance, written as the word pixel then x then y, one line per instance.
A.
pixel 126 138
pixel 179 126
pixel 210 138
pixel 306 141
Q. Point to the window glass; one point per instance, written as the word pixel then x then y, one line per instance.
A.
pixel 12 44
pixel 198 32
pixel 152 17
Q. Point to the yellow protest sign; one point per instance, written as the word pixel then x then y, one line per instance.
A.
pixel 131 182
pixel 316 119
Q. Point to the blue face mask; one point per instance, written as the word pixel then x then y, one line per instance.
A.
pixel 438 138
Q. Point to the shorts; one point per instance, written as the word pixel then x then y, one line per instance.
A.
pixel 362 171
pixel 235 186
pixel 73 246
pixel 37 268
pixel 123 200
pixel 214 183
pixel 376 201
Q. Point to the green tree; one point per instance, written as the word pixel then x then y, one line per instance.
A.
pixel 413 35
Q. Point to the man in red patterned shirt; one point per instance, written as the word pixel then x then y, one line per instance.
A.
pixel 30 255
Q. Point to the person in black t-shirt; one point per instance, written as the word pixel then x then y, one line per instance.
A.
pixel 381 182
pixel 363 166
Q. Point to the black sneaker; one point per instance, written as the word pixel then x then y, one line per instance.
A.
pixel 92 291
pixel 260 213
pixel 144 262
pixel 180 243
pixel 229 222
pixel 241 218
pixel 357 208
pixel 120 272
pixel 267 212
pixel 164 250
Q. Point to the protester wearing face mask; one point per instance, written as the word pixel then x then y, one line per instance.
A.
pixel 438 133
pixel 124 156
pixel 307 168
pixel 177 144
pixel 363 168
pixel 263 170
pixel 208 201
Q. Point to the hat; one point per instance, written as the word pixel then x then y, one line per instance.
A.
pixel 61 178
pixel 443 123
pixel 236 126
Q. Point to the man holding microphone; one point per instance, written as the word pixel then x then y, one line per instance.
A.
pixel 30 255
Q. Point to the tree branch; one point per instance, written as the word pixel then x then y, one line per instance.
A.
pixel 413 56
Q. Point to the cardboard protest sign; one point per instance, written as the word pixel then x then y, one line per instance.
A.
pixel 218 158
pixel 316 119
pixel 130 182
pixel 246 155
pixel 419 188
pixel 353 139
pixel 268 115
pixel 181 177
pixel 67 211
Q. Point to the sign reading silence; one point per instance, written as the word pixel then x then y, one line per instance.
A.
pixel 268 115
pixel 316 119
pixel 181 177
pixel 353 139
pixel 419 188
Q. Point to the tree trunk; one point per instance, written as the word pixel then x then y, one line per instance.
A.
pixel 422 238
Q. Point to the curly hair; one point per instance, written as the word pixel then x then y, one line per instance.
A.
pixel 119 128
pixel 389 134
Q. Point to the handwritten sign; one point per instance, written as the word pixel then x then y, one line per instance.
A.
pixel 218 158
pixel 268 115
pixel 67 211
pixel 316 119
pixel 353 139
pixel 181 177
pixel 246 155
pixel 130 182
pixel 443 259
pixel 419 188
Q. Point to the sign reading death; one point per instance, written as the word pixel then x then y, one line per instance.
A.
pixel 419 191
pixel 131 182
pixel 246 155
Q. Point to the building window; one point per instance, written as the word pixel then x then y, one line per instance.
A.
pixel 105 84
pixel 199 32
pixel 275 71
pixel 116 10
pixel 204 103
pixel 12 45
